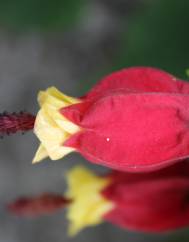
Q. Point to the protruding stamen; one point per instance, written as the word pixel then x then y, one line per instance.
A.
pixel 11 123
pixel 36 206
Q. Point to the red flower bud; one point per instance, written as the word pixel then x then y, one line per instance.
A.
pixel 152 202
pixel 36 206
pixel 136 119
pixel 148 202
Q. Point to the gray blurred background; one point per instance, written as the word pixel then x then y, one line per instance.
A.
pixel 71 44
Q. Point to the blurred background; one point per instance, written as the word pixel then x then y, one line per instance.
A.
pixel 71 44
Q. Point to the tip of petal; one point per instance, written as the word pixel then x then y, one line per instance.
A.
pixel 35 160
pixel 40 155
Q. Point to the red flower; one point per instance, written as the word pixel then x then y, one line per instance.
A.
pixel 148 202
pixel 151 202
pixel 136 119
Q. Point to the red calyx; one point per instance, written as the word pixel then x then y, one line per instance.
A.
pixel 133 120
pixel 150 202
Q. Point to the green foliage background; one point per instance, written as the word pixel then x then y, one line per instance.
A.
pixel 158 36
pixel 158 33
pixel 39 14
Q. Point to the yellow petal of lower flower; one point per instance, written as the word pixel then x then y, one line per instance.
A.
pixel 40 154
pixel 88 206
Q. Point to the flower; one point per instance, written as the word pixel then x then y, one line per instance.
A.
pixel 147 202
pixel 135 119
pixel 150 202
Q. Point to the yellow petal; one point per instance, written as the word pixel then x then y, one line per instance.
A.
pixel 66 125
pixel 42 95
pixel 51 127
pixel 60 120
pixel 88 206
pixel 51 136
pixel 53 104
pixel 40 154
pixel 54 92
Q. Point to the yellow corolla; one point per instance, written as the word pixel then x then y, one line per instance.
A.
pixel 88 205
pixel 51 127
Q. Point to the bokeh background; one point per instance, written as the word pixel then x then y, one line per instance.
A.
pixel 71 44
